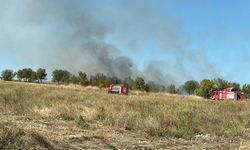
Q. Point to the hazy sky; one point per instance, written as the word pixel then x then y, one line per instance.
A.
pixel 167 41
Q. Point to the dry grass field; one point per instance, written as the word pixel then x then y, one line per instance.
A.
pixel 43 116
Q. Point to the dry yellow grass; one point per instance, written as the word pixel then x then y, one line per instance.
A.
pixel 153 115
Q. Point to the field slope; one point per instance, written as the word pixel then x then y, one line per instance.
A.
pixel 42 116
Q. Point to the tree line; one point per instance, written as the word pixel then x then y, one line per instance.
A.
pixel 26 74
pixel 204 88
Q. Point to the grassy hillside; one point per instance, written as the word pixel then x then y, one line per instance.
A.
pixel 29 112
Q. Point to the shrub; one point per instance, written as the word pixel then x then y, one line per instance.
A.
pixel 82 123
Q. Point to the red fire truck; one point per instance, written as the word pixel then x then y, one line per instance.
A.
pixel 118 89
pixel 230 93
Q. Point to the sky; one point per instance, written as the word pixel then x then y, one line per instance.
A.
pixel 165 41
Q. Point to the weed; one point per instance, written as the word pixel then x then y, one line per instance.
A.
pixel 10 138
pixel 110 147
pixel 232 130
pixel 82 123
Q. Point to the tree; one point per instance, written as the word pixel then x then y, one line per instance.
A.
pixel 235 85
pixel 92 80
pixel 246 90
pixel 99 80
pixel 205 89
pixel 8 75
pixel 139 84
pixel 220 84
pixel 190 86
pixel 60 76
pixel 172 89
pixel 147 88
pixel 83 79
pixel 66 76
pixel 41 74
pixel 27 74
pixel 128 82
pixel 20 75
pixel 153 87
pixel 33 76
pixel 74 79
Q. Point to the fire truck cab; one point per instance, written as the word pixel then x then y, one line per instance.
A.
pixel 118 89
pixel 230 93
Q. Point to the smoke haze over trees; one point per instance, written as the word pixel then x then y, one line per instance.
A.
pixel 204 89
pixel 70 35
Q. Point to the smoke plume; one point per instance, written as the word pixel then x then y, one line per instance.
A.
pixel 71 35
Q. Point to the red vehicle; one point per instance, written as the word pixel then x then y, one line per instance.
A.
pixel 118 89
pixel 228 93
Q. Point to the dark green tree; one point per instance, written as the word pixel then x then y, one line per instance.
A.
pixel 20 75
pixel 33 77
pixel 147 88
pixel 66 76
pixel 190 86
pixel 41 74
pixel 172 89
pixel 60 76
pixel 74 79
pixel 235 85
pixel 27 74
pixel 8 75
pixel 220 84
pixel 205 89
pixel 83 79
pixel 139 84
pixel 246 90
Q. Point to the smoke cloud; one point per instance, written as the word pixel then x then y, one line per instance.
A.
pixel 60 34
pixel 69 35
